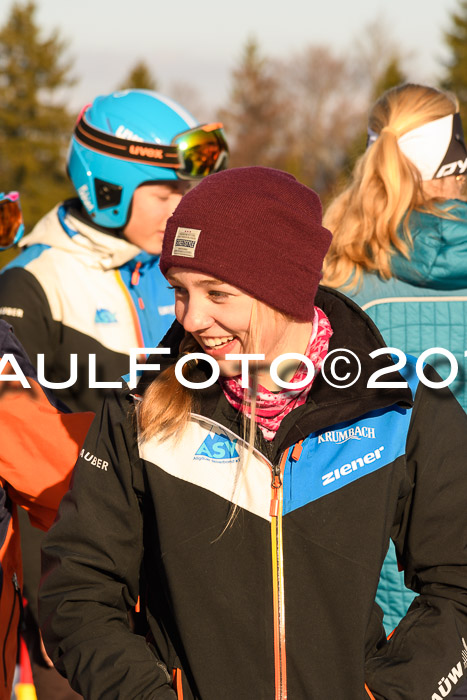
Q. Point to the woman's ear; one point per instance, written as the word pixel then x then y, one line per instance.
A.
pixel 452 187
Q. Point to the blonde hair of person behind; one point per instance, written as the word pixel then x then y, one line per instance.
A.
pixel 365 219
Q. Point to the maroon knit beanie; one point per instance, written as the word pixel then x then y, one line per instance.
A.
pixel 257 229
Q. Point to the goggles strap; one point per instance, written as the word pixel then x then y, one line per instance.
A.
pixel 135 151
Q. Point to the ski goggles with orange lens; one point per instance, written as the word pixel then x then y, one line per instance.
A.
pixel 192 155
pixel 201 151
pixel 11 220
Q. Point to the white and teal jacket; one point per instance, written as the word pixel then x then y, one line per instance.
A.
pixel 76 289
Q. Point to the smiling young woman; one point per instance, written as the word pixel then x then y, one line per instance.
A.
pixel 218 316
pixel 257 605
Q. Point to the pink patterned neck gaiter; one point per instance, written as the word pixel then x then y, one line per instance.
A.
pixel 272 407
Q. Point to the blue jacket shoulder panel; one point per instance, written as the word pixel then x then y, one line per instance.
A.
pixel 26 256
pixel 145 281
pixel 354 449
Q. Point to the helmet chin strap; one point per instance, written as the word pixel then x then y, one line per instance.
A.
pixel 78 211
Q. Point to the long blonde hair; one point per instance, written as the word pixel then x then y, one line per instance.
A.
pixel 365 219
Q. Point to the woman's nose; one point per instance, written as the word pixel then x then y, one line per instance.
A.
pixel 194 317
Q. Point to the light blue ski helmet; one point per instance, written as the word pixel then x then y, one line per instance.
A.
pixel 131 137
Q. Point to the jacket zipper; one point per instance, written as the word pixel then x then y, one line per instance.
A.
pixel 280 671
pixel 14 580
pixel 275 511
pixel 276 508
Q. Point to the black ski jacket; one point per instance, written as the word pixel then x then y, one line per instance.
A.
pixel 281 602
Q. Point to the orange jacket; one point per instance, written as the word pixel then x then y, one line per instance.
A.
pixel 39 445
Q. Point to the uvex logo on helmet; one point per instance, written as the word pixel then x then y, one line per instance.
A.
pixel 124 132
pixel 146 152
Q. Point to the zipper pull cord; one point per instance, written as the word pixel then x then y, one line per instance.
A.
pixel 276 485
pixel 276 482
pixel 297 451
pixel 135 277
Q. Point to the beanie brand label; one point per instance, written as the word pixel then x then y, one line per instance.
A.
pixel 185 242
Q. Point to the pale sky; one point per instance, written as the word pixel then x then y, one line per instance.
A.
pixel 198 42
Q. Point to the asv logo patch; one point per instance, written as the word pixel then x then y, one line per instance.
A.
pixel 105 316
pixel 218 448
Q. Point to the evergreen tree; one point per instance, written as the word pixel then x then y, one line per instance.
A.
pixel 139 77
pixel 456 40
pixel 34 126
pixel 391 75
pixel 255 114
